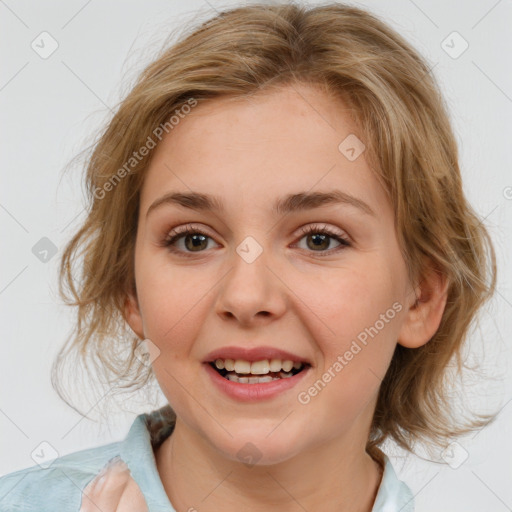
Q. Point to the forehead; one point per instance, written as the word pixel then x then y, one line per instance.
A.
pixel 283 141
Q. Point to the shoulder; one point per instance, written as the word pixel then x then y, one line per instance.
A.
pixel 65 480
pixel 58 485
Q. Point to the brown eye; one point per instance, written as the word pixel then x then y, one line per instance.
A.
pixel 186 240
pixel 320 239
pixel 195 242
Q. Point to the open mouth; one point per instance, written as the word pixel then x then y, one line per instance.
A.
pixel 257 372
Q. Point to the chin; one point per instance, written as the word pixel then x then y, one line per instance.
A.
pixel 255 447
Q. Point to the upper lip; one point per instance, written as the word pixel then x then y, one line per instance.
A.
pixel 253 354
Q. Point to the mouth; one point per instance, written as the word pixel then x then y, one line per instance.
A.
pixel 257 372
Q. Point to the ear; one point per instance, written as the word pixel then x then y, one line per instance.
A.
pixel 425 309
pixel 133 316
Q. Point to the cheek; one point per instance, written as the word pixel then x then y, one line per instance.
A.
pixel 172 301
pixel 351 299
pixel 361 315
pixel 359 308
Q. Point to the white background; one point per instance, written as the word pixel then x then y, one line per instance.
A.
pixel 50 108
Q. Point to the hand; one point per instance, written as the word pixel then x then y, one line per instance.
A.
pixel 113 490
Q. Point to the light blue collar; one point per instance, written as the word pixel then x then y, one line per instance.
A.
pixel 137 451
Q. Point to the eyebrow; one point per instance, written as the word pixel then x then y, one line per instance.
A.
pixel 288 204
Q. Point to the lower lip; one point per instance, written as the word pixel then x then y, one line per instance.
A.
pixel 253 392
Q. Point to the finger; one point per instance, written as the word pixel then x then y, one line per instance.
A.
pixel 104 493
pixel 132 499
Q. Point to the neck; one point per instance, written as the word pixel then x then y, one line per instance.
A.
pixel 335 476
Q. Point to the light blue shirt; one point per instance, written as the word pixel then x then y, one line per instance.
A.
pixel 59 486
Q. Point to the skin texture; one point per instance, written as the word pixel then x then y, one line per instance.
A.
pixel 309 301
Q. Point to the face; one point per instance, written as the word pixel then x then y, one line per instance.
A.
pixel 318 280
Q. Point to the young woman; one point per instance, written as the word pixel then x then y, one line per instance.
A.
pixel 276 212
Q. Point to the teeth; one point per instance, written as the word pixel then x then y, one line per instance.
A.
pixel 275 365
pixel 257 367
pixel 247 372
pixel 260 367
pixel 250 380
pixel 242 366
pixel 287 365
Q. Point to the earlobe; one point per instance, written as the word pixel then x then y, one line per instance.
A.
pixel 133 316
pixel 425 310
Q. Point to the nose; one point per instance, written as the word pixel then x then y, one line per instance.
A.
pixel 251 292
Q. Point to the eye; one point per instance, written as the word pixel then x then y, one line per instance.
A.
pixel 319 239
pixel 194 240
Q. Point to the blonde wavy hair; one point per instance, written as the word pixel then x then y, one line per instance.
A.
pixel 410 146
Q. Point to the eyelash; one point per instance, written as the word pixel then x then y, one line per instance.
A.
pixel 180 232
